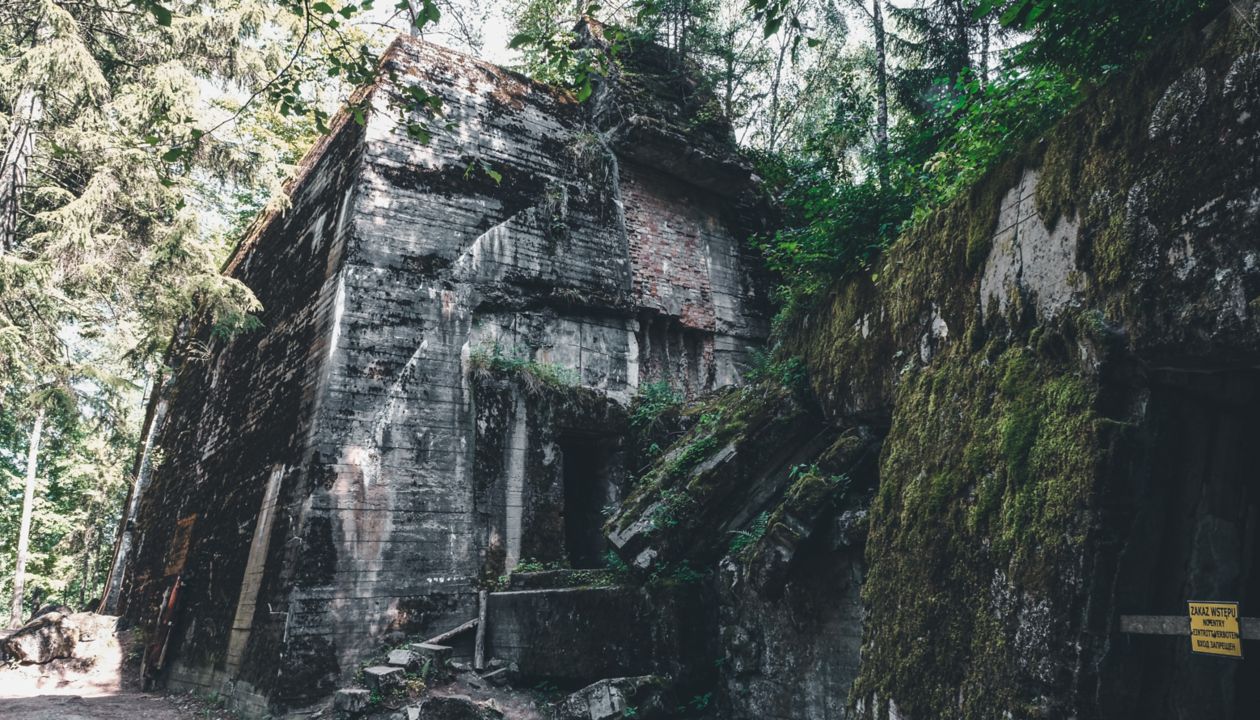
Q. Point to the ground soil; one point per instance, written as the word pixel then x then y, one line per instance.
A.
pixel 99 683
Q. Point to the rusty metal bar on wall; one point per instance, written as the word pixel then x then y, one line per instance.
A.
pixel 1177 625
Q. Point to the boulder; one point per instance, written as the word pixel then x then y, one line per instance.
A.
pixel 48 637
pixel 456 707
pixel 54 608
pixel 610 699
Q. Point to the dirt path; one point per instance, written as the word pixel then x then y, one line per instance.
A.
pixel 123 706
pixel 96 684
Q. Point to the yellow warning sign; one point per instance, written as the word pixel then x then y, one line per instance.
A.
pixel 1215 628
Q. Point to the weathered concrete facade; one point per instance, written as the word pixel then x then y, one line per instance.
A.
pixel 334 477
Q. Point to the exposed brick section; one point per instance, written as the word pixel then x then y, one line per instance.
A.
pixel 671 231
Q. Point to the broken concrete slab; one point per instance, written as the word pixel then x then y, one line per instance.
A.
pixel 349 702
pixel 550 579
pixel 610 699
pixel 455 707
pixel 402 658
pixel 499 677
pixel 383 678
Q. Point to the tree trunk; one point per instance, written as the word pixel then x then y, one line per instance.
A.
pixel 142 469
pixel 984 53
pixel 27 113
pixel 24 533
pixel 881 92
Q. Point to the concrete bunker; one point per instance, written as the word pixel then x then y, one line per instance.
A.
pixel 436 348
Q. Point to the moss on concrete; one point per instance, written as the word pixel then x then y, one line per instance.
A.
pixel 987 482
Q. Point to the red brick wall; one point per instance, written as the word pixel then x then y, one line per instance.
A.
pixel 669 230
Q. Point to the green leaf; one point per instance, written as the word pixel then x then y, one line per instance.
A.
pixel 1010 17
pixel 162 14
pixel 984 8
pixel 173 154
pixel 521 40
pixel 322 7
pixel 419 132
pixel 431 12
pixel 1037 12
pixel 585 90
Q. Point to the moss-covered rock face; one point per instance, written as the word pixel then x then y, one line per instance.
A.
pixel 1010 339
pixel 978 534
pixel 732 464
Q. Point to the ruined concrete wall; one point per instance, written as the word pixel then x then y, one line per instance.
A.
pixel 386 527
pixel 503 241
pixel 238 414
pixel 578 635
pixel 525 425
pixel 793 653
pixel 764 500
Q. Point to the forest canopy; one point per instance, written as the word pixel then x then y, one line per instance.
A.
pixel 139 139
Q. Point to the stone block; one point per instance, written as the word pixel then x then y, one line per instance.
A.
pixel 383 678
pixel 351 701
pixel 609 699
pixel 402 658
pixel 572 634
pixel 438 655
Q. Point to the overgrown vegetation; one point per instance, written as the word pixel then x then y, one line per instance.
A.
pixel 969 84
pixel 534 375
pixel 744 539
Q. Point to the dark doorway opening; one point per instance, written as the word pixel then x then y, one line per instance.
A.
pixel 588 487
pixel 1195 536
